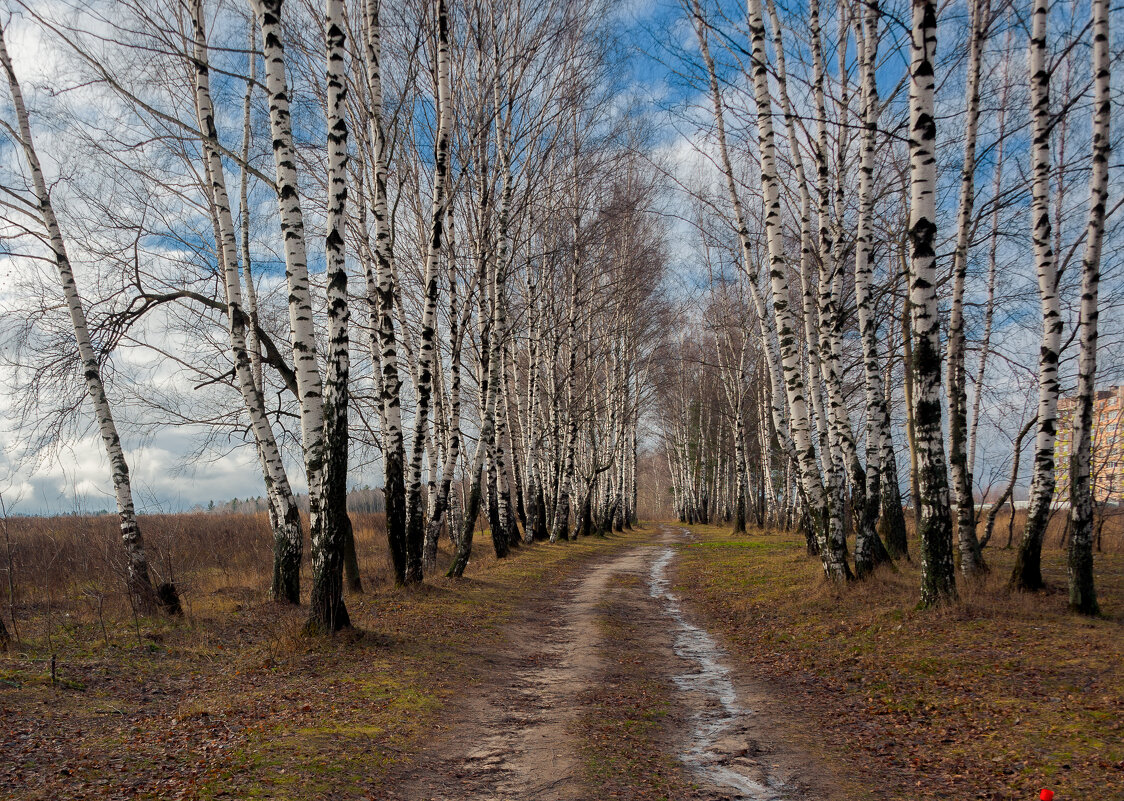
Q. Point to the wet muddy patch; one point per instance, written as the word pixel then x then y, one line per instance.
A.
pixel 718 744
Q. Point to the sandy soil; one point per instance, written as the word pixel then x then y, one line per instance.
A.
pixel 518 736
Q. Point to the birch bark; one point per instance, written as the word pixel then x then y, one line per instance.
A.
pixel 415 523
pixel 842 453
pixel 390 381
pixel 302 334
pixel 810 311
pixel 328 612
pixel 560 529
pixel 536 514
pixel 877 414
pixel 487 401
pixel 938 573
pixel 138 580
pixel 1082 589
pixel 497 362
pixel 457 325
pixel 778 394
pixel 285 514
pixel 891 523
pixel 1027 573
pixel 834 555
pixel 971 558
pixel 733 382
pixel 244 206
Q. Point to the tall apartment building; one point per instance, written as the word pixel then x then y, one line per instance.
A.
pixel 1108 445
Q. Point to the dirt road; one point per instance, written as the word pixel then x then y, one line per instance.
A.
pixel 523 737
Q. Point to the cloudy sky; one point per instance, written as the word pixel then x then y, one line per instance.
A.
pixel 178 467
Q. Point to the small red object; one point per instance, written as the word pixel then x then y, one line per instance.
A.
pixel 1046 795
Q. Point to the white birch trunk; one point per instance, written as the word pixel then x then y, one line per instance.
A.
pixel 390 381
pixel 834 556
pixel 498 360
pixel 1082 589
pixel 1027 574
pixel 139 582
pixel 839 442
pixel 777 396
pixel 244 206
pixel 331 538
pixel 449 464
pixel 868 547
pixel 536 522
pixel 285 514
pixel 560 528
pixel 415 524
pixel 457 325
pixel 302 333
pixel 971 558
pixel 938 573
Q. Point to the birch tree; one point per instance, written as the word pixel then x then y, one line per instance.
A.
pixel 138 579
pixel 971 558
pixel 302 334
pixel 415 523
pixel 284 512
pixel 1082 589
pixel 388 380
pixel 328 612
pixel 1027 573
pixel 842 454
pixel 877 415
pixel 816 368
pixel 834 556
pixel 829 536
pixel 938 577
pixel 329 525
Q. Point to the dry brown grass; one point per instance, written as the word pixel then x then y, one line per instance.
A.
pixel 993 697
pixel 231 700
pixel 72 567
pixel 1109 525
pixel 990 698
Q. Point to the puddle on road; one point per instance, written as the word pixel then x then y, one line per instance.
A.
pixel 718 720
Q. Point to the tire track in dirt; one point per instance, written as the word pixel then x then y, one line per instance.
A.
pixel 516 739
pixel 724 742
